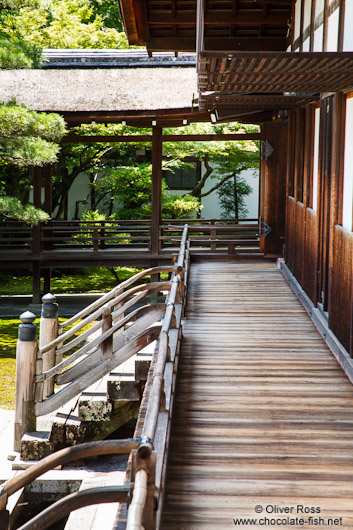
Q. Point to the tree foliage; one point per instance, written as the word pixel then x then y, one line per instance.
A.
pixel 15 54
pixel 65 24
pixel 28 137
pixel 231 194
pixel 12 208
pixel 116 173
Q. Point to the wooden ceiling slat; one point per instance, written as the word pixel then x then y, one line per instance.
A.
pixel 189 18
pixel 277 71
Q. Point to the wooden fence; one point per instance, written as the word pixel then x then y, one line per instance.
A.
pixel 38 368
pixel 215 235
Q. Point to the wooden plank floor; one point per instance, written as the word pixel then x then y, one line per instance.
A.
pixel 263 413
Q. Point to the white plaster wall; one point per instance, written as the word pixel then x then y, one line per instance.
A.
pixel 332 34
pixel 78 191
pixel 348 169
pixel 348 27
pixel 297 20
pixel 316 158
pixel 318 39
pixel 306 45
pixel 307 13
pixel 211 208
pixel 320 4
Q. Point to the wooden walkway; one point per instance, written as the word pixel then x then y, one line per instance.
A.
pixel 263 413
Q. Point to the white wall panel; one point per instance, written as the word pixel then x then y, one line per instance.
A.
pixel 307 12
pixel 318 36
pixel 306 45
pixel 297 20
pixel 332 34
pixel 320 4
pixel 348 27
pixel 316 157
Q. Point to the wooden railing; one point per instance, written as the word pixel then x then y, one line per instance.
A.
pixel 148 463
pixel 101 347
pixel 225 235
pixel 215 236
pixel 31 380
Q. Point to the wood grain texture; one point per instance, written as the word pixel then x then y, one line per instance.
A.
pixel 263 414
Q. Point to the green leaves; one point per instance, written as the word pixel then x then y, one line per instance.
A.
pixel 65 24
pixel 27 137
pixel 14 209
pixel 16 54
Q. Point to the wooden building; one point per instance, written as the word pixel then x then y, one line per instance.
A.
pixel 288 65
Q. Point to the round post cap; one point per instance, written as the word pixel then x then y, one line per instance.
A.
pixel 27 317
pixel 49 298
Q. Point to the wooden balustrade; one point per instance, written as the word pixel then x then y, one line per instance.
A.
pixel 100 356
pixel 149 460
pixel 212 235
pixel 45 364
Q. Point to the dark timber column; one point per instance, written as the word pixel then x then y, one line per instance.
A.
pixel 48 208
pixel 273 186
pixel 156 193
pixel 37 202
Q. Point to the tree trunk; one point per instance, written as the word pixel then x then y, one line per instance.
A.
pixel 236 201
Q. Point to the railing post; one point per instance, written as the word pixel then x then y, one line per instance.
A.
pixel 107 345
pixel 143 505
pixel 213 233
pixel 102 235
pixel 26 353
pixel 48 331
pixel 116 307
pixel 95 238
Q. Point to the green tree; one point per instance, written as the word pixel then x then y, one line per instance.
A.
pixel 14 52
pixel 116 172
pixel 64 24
pixel 232 195
pixel 221 160
pixel 27 138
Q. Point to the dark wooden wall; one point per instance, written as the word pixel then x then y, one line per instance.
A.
pixel 319 251
pixel 273 186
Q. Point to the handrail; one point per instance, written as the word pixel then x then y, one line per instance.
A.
pixel 144 451
pixel 145 287
pixel 111 294
pixel 79 499
pixel 62 457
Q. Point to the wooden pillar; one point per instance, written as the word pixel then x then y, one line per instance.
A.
pixel 48 208
pixel 36 234
pixel 37 187
pixel 156 192
pixel 273 187
pixel 48 189
pixel 25 420
pixel 47 333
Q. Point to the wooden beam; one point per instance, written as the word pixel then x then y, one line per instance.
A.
pixel 164 138
pixel 225 17
pixel 218 43
pixel 156 191
pixel 114 139
pixel 210 137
